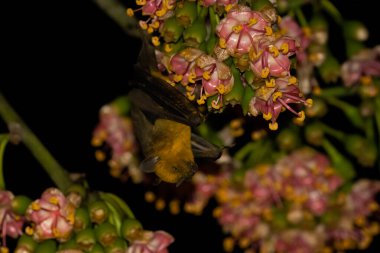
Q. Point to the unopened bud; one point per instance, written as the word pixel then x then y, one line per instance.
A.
pixel 106 233
pixel 26 244
pixel 130 229
pixel 314 134
pixel 82 219
pixel 47 246
pixel 86 239
pixel 20 203
pixel 186 13
pixel 171 30
pixel 99 211
pixel 288 139
pixel 118 246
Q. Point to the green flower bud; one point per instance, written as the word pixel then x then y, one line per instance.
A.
pixel 129 228
pixel 367 109
pixel 314 134
pixel 258 5
pixel 118 246
pixel 82 219
pixel 355 30
pixel 330 69
pixel 363 150
pixel 279 219
pixel 26 244
pixel 186 13
pixel 20 203
pixel 196 33
pixel 77 188
pixel 171 30
pixel 47 246
pixel 106 233
pixel 86 239
pixel 319 27
pixel 99 211
pixel 235 96
pixel 97 248
pixel 288 139
pixel 70 244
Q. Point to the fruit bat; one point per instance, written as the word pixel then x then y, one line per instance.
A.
pixel 164 120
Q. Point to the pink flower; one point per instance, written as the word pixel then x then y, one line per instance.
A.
pixel 298 241
pixel 239 30
pixel 276 94
pixel 270 56
pixel 151 242
pixel 158 8
pixel 52 216
pixel 10 223
pixel 365 63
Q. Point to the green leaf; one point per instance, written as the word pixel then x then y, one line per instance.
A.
pixel 3 142
pixel 235 95
pixel 248 94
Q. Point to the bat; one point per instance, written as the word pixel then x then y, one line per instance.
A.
pixel 164 120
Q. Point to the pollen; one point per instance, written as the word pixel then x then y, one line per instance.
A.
pixel 150 30
pixel 161 12
pixel 155 41
pixel 155 24
pixel 268 31
pixel 292 80
pixel 149 197
pixel 143 25
pixel 276 95
pixel 191 77
pixel 177 78
pixel 160 204
pixel 222 43
pixel 228 244
pixel 301 116
pixel 273 126
pixel 221 89
pixel 168 48
pixel 190 96
pixel 141 2
pixel 265 72
pixel 271 83
pixel 274 50
pixel 36 206
pixel 206 75
pixel 267 116
pixel 309 102
pixel 201 100
pixel 284 48
pixel 237 28
pixel 228 7
pixel 54 200
pixel 130 12
pixel 29 230
pixel 252 21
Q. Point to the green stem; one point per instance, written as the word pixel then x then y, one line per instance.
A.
pixel 59 175
pixel 333 132
pixel 4 138
pixel 301 17
pixel 115 10
pixel 350 111
pixel 335 92
pixel 332 10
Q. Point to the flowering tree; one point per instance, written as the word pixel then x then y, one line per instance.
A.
pixel 255 113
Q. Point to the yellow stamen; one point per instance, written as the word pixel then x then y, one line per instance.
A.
pixel 190 96
pixel 307 31
pixel 150 30
pixel 366 80
pixel 221 89
pixel 215 105
pixel 191 77
pixel 140 2
pixel 268 30
pixel 36 206
pixel 149 197
pixel 174 206
pixel 265 72
pixel 276 95
pixel 166 3
pixel 309 102
pixel 244 242
pixel 155 24
pixel 168 48
pixel 273 126
pixel 271 83
pixel 201 100
pixel 177 78
pixel 236 123
pixel 160 204
pixel 237 132
pixel 54 200
pixel 100 156
pixel 206 75
pixel 161 12
pixel 284 48
pixel 228 7
pixel 252 21
pixel 279 19
pixel 222 43
pixel 267 116
pixel 228 244
pixel 317 90
pixel 4 249
pixel 156 41
pixel 143 25
pixel 273 50
pixel 130 12
pixel 373 206
pixel 267 214
pixel 217 212
pixel 29 230
pixel 327 250
pixel 301 116
pixel 237 28
pixel 292 80
pixel 360 221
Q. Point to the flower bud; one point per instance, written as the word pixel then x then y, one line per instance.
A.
pixel 288 139
pixel 99 211
pixel 317 110
pixel 330 69
pixel 97 248
pixel 319 26
pixel 314 134
pixel 82 219
pixel 86 239
pixel 69 245
pixel 130 229
pixel 186 13
pixel 364 150
pixel 47 246
pixel 367 109
pixel 355 30
pixel 20 203
pixel 106 233
pixel 26 244
pixel 196 33
pixel 118 246
pixel 171 30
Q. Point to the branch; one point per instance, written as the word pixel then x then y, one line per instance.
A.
pixel 56 172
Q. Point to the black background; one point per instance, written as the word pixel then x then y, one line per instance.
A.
pixel 60 61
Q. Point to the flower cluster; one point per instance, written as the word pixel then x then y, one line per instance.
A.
pixel 296 204
pixel 223 52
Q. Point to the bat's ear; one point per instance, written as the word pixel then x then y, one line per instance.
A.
pixel 148 164
pixel 146 60
pixel 203 149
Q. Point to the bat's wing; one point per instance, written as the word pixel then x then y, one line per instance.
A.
pixel 204 149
